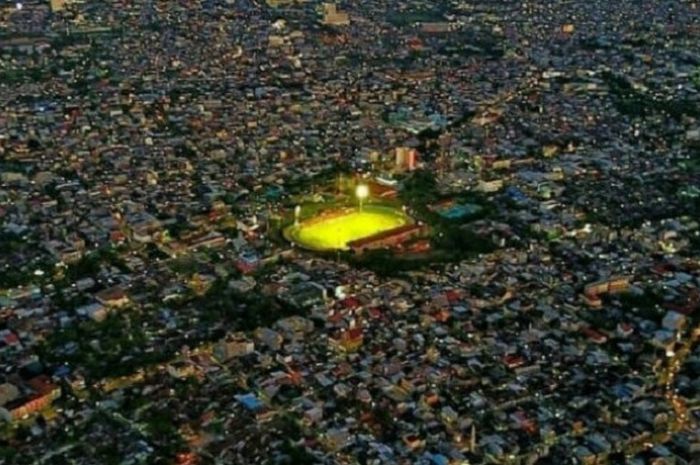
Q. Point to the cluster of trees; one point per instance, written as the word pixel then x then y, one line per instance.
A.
pixel 462 241
pixel 386 263
pixel 11 277
pixel 90 265
pixel 648 304
pixel 296 454
pixel 408 18
pixel 113 347
pixel 632 102
pixel 242 311
pixel 161 428
pixel 449 244
pixel 19 76
pixel 419 190
pixel 10 242
pixel 118 345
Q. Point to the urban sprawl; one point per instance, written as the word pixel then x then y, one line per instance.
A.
pixel 371 232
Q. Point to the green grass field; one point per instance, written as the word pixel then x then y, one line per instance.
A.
pixel 335 232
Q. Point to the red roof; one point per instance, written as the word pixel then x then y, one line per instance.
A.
pixel 422 245
pixel 594 335
pixel 453 295
pixel 626 328
pixel 294 376
pixel 117 236
pixel 11 339
pixel 41 384
pixel 442 315
pixel 355 333
pixel 245 267
pixel 350 302
pixel 662 268
pixel 336 317
pixel 407 228
pixel 380 190
pixel 186 458
pixel 374 312
pixel 111 294
pixel 513 361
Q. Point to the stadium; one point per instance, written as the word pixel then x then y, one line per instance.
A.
pixel 335 229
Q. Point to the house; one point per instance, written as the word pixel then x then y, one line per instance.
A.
pixel 233 346
pixel 306 294
pixel 294 327
pixel 336 439
pixel 594 335
pixel 490 186
pixel 210 240
pixel 181 369
pixel 673 321
pixel 513 361
pixel 8 393
pixel 334 17
pixel 414 441
pixel 250 402
pixel 95 311
pixel 248 261
pixel 113 297
pixel 613 285
pixel 269 338
pixel 42 393
pixel 349 340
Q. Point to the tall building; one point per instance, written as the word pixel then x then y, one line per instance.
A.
pixel 406 159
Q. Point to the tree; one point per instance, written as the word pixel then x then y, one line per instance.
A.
pixel 420 188
pixel 463 241
pixel 298 455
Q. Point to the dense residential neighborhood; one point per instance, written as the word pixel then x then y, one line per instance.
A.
pixel 534 297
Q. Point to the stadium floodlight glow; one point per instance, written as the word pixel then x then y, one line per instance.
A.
pixel 361 192
pixel 334 229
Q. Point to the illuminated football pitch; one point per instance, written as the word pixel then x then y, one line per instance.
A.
pixel 333 231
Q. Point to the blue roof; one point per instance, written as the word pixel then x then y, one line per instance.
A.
pixel 438 459
pixel 62 371
pixel 515 193
pixel 249 258
pixel 274 192
pixel 250 402
pixel 622 391
pixel 460 210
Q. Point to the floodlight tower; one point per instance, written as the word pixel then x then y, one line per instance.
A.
pixel 361 192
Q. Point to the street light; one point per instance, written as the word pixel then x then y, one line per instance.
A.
pixel 297 213
pixel 362 192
